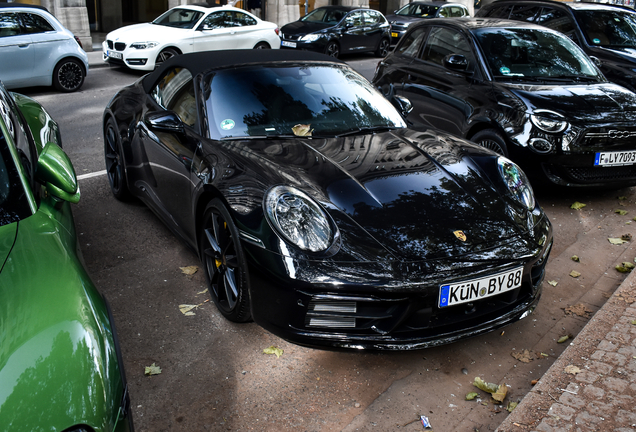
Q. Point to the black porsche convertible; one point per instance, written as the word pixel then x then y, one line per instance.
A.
pixel 316 212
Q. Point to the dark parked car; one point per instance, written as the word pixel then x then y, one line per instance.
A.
pixel 606 32
pixel 336 30
pixel 316 212
pixel 521 90
pixel 417 11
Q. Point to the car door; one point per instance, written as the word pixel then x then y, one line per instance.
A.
pixel 373 30
pixel 353 34
pixel 246 29
pixel 442 98
pixel 45 40
pixel 216 32
pixel 167 139
pixel 17 56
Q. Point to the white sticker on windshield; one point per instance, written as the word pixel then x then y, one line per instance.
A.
pixel 227 124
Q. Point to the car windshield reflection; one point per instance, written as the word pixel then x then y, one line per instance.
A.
pixel 317 100
pixel 608 28
pixel 179 18
pixel 418 10
pixel 532 53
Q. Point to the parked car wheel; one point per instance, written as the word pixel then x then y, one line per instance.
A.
pixel 383 48
pixel 68 75
pixel 224 263
pixel 262 45
pixel 114 163
pixel 492 140
pixel 165 55
pixel 333 49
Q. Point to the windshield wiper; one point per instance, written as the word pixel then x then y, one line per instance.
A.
pixel 566 78
pixel 366 130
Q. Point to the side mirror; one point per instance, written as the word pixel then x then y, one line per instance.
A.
pixel 56 171
pixel 456 62
pixel 165 121
pixel 403 105
pixel 597 61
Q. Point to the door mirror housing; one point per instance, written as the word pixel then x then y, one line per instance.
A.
pixel 56 172
pixel 456 62
pixel 165 121
pixel 403 105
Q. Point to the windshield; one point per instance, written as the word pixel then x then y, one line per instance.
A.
pixel 324 15
pixel 180 18
pixel 533 53
pixel 608 28
pixel 322 100
pixel 418 10
pixel 13 202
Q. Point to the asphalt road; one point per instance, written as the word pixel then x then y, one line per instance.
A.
pixel 215 375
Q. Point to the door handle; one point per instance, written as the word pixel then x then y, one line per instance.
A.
pixel 23 45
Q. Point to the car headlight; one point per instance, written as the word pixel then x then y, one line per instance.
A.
pixel 310 37
pixel 516 182
pixel 548 121
pixel 298 218
pixel 143 45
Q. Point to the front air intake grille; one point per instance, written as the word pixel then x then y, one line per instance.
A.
pixel 596 174
pixel 120 46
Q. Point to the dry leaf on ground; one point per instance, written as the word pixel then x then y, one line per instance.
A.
pixel 621 212
pixel 625 267
pixel 616 241
pixel 626 237
pixel 578 309
pixel 186 309
pixel 577 205
pixel 575 274
pixel 189 270
pixel 571 369
pixel 563 338
pixel 153 369
pixel 575 258
pixel 471 395
pixel 501 393
pixel 483 385
pixel 553 283
pixel 273 350
pixel 524 356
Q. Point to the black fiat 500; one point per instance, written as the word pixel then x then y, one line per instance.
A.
pixel 336 30
pixel 521 90
pixel 316 212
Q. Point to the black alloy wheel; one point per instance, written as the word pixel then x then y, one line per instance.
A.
pixel 224 263
pixel 68 75
pixel 262 45
pixel 492 140
pixel 115 162
pixel 383 48
pixel 165 55
pixel 333 49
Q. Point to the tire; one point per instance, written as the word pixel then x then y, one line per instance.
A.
pixel 223 260
pixel 68 75
pixel 115 169
pixel 332 49
pixel 492 140
pixel 262 45
pixel 383 48
pixel 165 55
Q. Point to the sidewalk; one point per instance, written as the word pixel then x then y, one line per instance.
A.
pixel 592 385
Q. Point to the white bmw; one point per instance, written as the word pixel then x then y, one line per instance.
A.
pixel 186 29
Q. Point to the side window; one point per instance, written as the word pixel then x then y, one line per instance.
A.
pixel 241 19
pixel 557 20
pixel 175 92
pixel 457 11
pixel 354 19
pixel 442 42
pixel 444 12
pixel 9 25
pixel 499 12
pixel 218 20
pixel 524 13
pixel 410 45
pixel 371 17
pixel 34 23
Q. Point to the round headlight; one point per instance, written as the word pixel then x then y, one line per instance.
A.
pixel 548 121
pixel 310 37
pixel 516 182
pixel 298 218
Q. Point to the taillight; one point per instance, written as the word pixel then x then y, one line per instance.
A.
pixel 78 41
pixel 277 31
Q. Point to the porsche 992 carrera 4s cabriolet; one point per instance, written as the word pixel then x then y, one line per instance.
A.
pixel 316 212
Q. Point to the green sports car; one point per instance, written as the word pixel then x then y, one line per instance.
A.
pixel 60 365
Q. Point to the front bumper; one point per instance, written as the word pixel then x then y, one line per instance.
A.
pixel 319 45
pixel 143 60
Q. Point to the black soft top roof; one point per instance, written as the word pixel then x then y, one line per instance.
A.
pixel 200 62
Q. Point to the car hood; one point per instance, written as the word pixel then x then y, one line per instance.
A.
pixel 626 54
pixel 303 28
pixel 146 32
pixel 57 360
pixel 409 191
pixel 403 19
pixel 591 103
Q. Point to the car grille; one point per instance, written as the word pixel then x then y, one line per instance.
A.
pixel 119 46
pixel 597 174
pixel 608 137
pixel 291 37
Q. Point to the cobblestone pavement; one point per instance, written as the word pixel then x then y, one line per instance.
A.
pixel 592 386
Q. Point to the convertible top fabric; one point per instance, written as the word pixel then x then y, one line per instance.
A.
pixel 202 61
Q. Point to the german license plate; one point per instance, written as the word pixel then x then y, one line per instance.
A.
pixel 615 158
pixel 288 44
pixel 114 54
pixel 476 289
pixel 394 34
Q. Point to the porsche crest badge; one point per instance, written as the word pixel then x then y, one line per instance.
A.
pixel 460 235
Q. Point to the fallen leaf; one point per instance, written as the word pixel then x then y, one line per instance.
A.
pixel 553 283
pixel 626 298
pixel 302 130
pixel 534 382
pixel 616 241
pixel 523 356
pixel 563 338
pixel 471 395
pixel 501 393
pixel 544 355
pixel 483 385
pixel 186 309
pixel 202 292
pixel 153 369
pixel 622 198
pixel 626 237
pixel 189 270
pixel 621 212
pixel 578 309
pixel 575 274
pixel 577 205
pixel 625 267
pixel 572 370
pixel 633 322
pixel 575 258
pixel 512 406
pixel 273 350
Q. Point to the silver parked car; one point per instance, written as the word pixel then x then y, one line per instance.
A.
pixel 36 50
